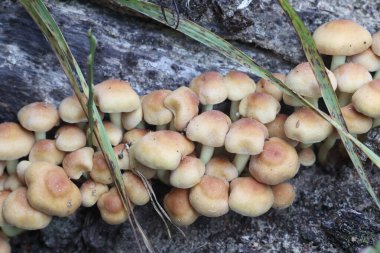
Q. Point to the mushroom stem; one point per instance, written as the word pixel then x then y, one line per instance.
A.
pixel 344 98
pixel 11 166
pixel 163 176
pixel 171 126
pixel 11 231
pixel 377 74
pixel 240 161
pixel 336 61
pixel 40 135
pixel 206 108
pixel 141 125
pixel 206 153
pixel 234 111
pixel 116 119
pixel 325 148
pixel 305 145
pixel 161 127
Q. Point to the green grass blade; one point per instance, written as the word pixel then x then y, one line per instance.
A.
pixel 90 73
pixel 328 93
pixel 40 14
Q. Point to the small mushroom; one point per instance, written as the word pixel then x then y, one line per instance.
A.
pixel 78 162
pixel 132 119
pixel 12 182
pixel 46 150
pixel 221 167
pixel 188 173
pixel 135 189
pixel 100 172
pixel 306 157
pixel 367 59
pixel 114 133
pixel 21 168
pixel 259 106
pixel 154 110
pixel 91 192
pixel 111 208
pixel 69 138
pixel 284 195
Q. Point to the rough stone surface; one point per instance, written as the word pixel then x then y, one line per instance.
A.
pixel 332 212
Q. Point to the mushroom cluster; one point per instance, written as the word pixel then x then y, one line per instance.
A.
pixel 213 161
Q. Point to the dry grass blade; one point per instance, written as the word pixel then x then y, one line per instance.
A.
pixel 49 28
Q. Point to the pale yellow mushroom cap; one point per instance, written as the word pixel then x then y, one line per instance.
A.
pixel 135 189
pixel 5 247
pixel 239 85
pixel 12 182
pixel 266 86
pixel 78 162
pixel 277 163
pixel 46 150
pixel 71 111
pixel 342 37
pixel 259 106
pixel 100 172
pixel 188 173
pixel 356 122
pixel 144 170
pixel 307 157
pixel 284 195
pixel 249 197
pixel 301 80
pixel 246 137
pixel 18 212
pixel 15 141
pixel 210 196
pixel 276 129
pixel 306 126
pixel 91 192
pixel 21 168
pixel 154 110
pixel 351 76
pixel 209 128
pixel 178 207
pixel 3 196
pixel 111 208
pixel 133 135
pixel 183 103
pixel 367 59
pixel 376 43
pixel 221 167
pixel 367 99
pixel 114 96
pixel 290 100
pixel 162 150
pixel 50 190
pixel 38 116
pixel 69 138
pixel 210 88
pixel 115 134
pixel 131 119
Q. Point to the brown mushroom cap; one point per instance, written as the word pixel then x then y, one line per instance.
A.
pixel 38 116
pixel 154 110
pixel 18 212
pixel 307 157
pixel 306 126
pixel 3 196
pixel 183 103
pixel 177 205
pixel 78 162
pixel 69 138
pixel 111 208
pixel 357 123
pixel 71 111
pixel 276 129
pixel 284 195
pixel 351 76
pixel 221 167
pixel 239 85
pixel 188 173
pixel 135 189
pixel 342 37
pixel 114 96
pixel 367 59
pixel 15 141
pixel 91 192
pixel 277 163
pixel 131 119
pixel 266 86
pixel 100 172
pixel 210 88
pixel 376 43
pixel 259 106
pixel 249 197
pixel 210 196
pixel 133 135
pixel 46 150
pixel 50 190
pixel 367 99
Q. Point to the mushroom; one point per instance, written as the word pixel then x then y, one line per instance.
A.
pixel 135 189
pixel 133 135
pixel 91 192
pixel 259 106
pixel 111 208
pixel 366 100
pixel 21 168
pixel 276 129
pixel 114 133
pixel 284 195
pixel 154 110
pixel 69 138
pixel 3 196
pixel 78 162
pixel 306 156
pixel 266 86
pixel 188 173
pixel 132 119
pixel 341 38
pixel 46 150
pixel 100 172
pixel 221 167
pixel 39 117
pixel 376 49
pixel 367 59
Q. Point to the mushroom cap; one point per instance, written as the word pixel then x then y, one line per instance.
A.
pixel 221 167
pixel 21 168
pixel 367 59
pixel 46 150
pixel 342 37
pixel 246 137
pixel 351 76
pixel 210 196
pixel 177 205
pixel 276 129
pixel 122 156
pixel 71 111
pixel 284 195
pixel 100 172
pixel 69 138
pixel 18 212
pixel 78 162
pixel 111 208
pixel 115 134
pixel 38 116
pixel 210 88
pixel 307 157
pixel 12 182
pixel 91 192
pixel 239 85
pixel 367 99
pixel 50 190
pixel 162 150
pixel 259 106
pixel 376 43
pixel 357 123
pixel 131 119
pixel 136 165
pixel 3 196
pixel 290 100
pixel 154 110
pixel 306 126
pixel 209 128
pixel 266 86
pixel 302 80
pixel 249 197
pixel 188 173
pixel 114 96
pixel 135 189
pixel 277 163
pixel 183 103
pixel 133 135
pixel 15 141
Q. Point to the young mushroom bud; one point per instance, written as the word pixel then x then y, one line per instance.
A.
pixel 78 162
pixel 307 157
pixel 259 106
pixel 284 195
pixel 111 208
pixel 178 207
pixel 91 192
pixel 46 150
pixel 189 173
pixel 221 167
pixel 69 138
